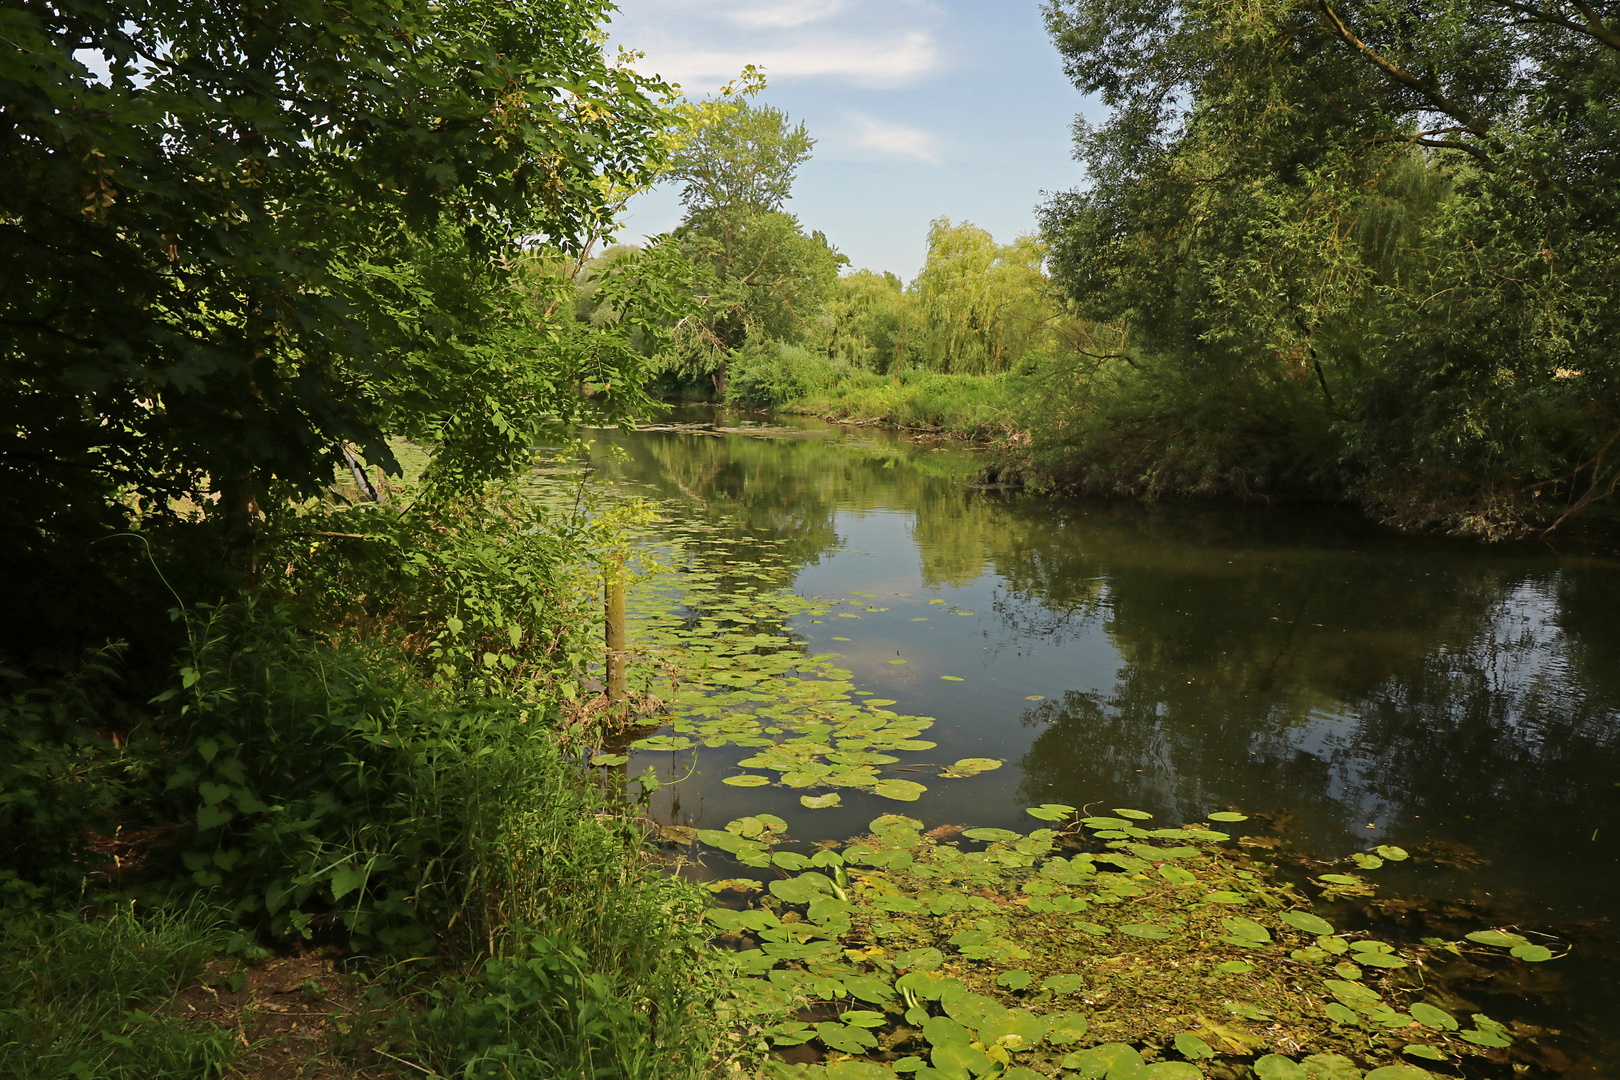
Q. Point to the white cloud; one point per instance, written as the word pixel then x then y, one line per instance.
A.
pixel 702 43
pixel 891 140
pixel 784 13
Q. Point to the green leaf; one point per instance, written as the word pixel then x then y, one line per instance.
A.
pixel 1192 1047
pixel 746 780
pixel 1499 938
pixel 1431 1017
pixel 1229 815
pixel 1066 1027
pixel 1278 1067
pixel 1534 954
pixel 1306 922
pixel 1428 1053
pixel 1050 811
pixel 820 802
pixel 899 790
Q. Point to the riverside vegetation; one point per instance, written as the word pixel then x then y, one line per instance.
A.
pixel 264 705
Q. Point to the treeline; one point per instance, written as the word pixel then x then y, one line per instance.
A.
pixel 1323 252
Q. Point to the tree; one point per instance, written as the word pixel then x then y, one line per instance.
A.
pixel 760 273
pixel 984 306
pixel 1380 232
pixel 244 238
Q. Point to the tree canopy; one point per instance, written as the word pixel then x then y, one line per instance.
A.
pixel 1388 228
pixel 237 239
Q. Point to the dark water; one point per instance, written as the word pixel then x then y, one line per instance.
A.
pixel 1365 687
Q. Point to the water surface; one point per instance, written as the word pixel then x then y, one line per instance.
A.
pixel 1362 687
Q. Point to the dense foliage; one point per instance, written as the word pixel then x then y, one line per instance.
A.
pixel 1353 247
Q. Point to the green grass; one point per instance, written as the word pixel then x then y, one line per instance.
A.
pixel 85 998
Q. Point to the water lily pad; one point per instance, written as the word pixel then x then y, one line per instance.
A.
pixel 899 790
pixel 1535 954
pixel 1427 1053
pixel 1330 1067
pixel 1341 1014
pixel 865 1018
pixel 960 1059
pixel 608 759
pixel 1228 815
pixel 1305 921
pixel 1067 1027
pixel 789 860
pixel 1145 930
pixel 925 959
pixel 1380 960
pixel 820 802
pixel 1235 967
pixel 1246 931
pixel 896 661
pixel 1175 875
pixel 952 678
pixel 1015 979
pixel 1278 1067
pixel 1172 1070
pixel 1050 811
pixel 1399 1072
pixel 1390 853
pixel 1340 879
pixel 746 780
pixel 802 889
pixel 992 835
pixel 1066 983
pixel 1134 815
pixel 1499 938
pixel 859 1070
pixel 1432 1018
pixel 1365 861
pixel 1225 896
pixel 1193 1048
pixel 662 742
pixel 851 1040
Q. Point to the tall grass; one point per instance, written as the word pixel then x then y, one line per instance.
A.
pixel 339 798
pixel 85 999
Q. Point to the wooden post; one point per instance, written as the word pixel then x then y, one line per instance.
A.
pixel 613 585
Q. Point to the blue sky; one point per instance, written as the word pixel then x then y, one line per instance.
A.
pixel 920 108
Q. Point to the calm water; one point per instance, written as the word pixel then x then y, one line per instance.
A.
pixel 1363 687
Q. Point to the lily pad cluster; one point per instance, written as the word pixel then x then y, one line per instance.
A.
pixel 1104 950
pixel 732 676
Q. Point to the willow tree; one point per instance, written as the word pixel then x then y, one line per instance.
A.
pixel 983 305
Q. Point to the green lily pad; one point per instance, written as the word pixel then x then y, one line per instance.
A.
pixel 1065 1028
pixel 1330 1067
pixel 1015 979
pixel 1427 1053
pixel 1145 930
pixel 1225 896
pixel 1134 815
pixel 1535 954
pixel 662 742
pixel 1066 983
pixel 1050 811
pixel 1235 967
pixel 802 889
pixel 1246 930
pixel 1380 960
pixel 1278 1067
pixel 951 678
pixel 924 959
pixel 1365 861
pixel 820 802
pixel 1305 921
pixel 1175 875
pixel 851 1040
pixel 1500 938
pixel 746 780
pixel 1340 879
pixel 1193 1048
pixel 1390 853
pixel 1228 815
pixel 865 1018
pixel 1172 1070
pixel 1341 1014
pixel 1399 1072
pixel 608 759
pixel 1432 1018
pixel 896 661
pixel 899 790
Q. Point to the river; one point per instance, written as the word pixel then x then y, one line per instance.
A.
pixel 1349 686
